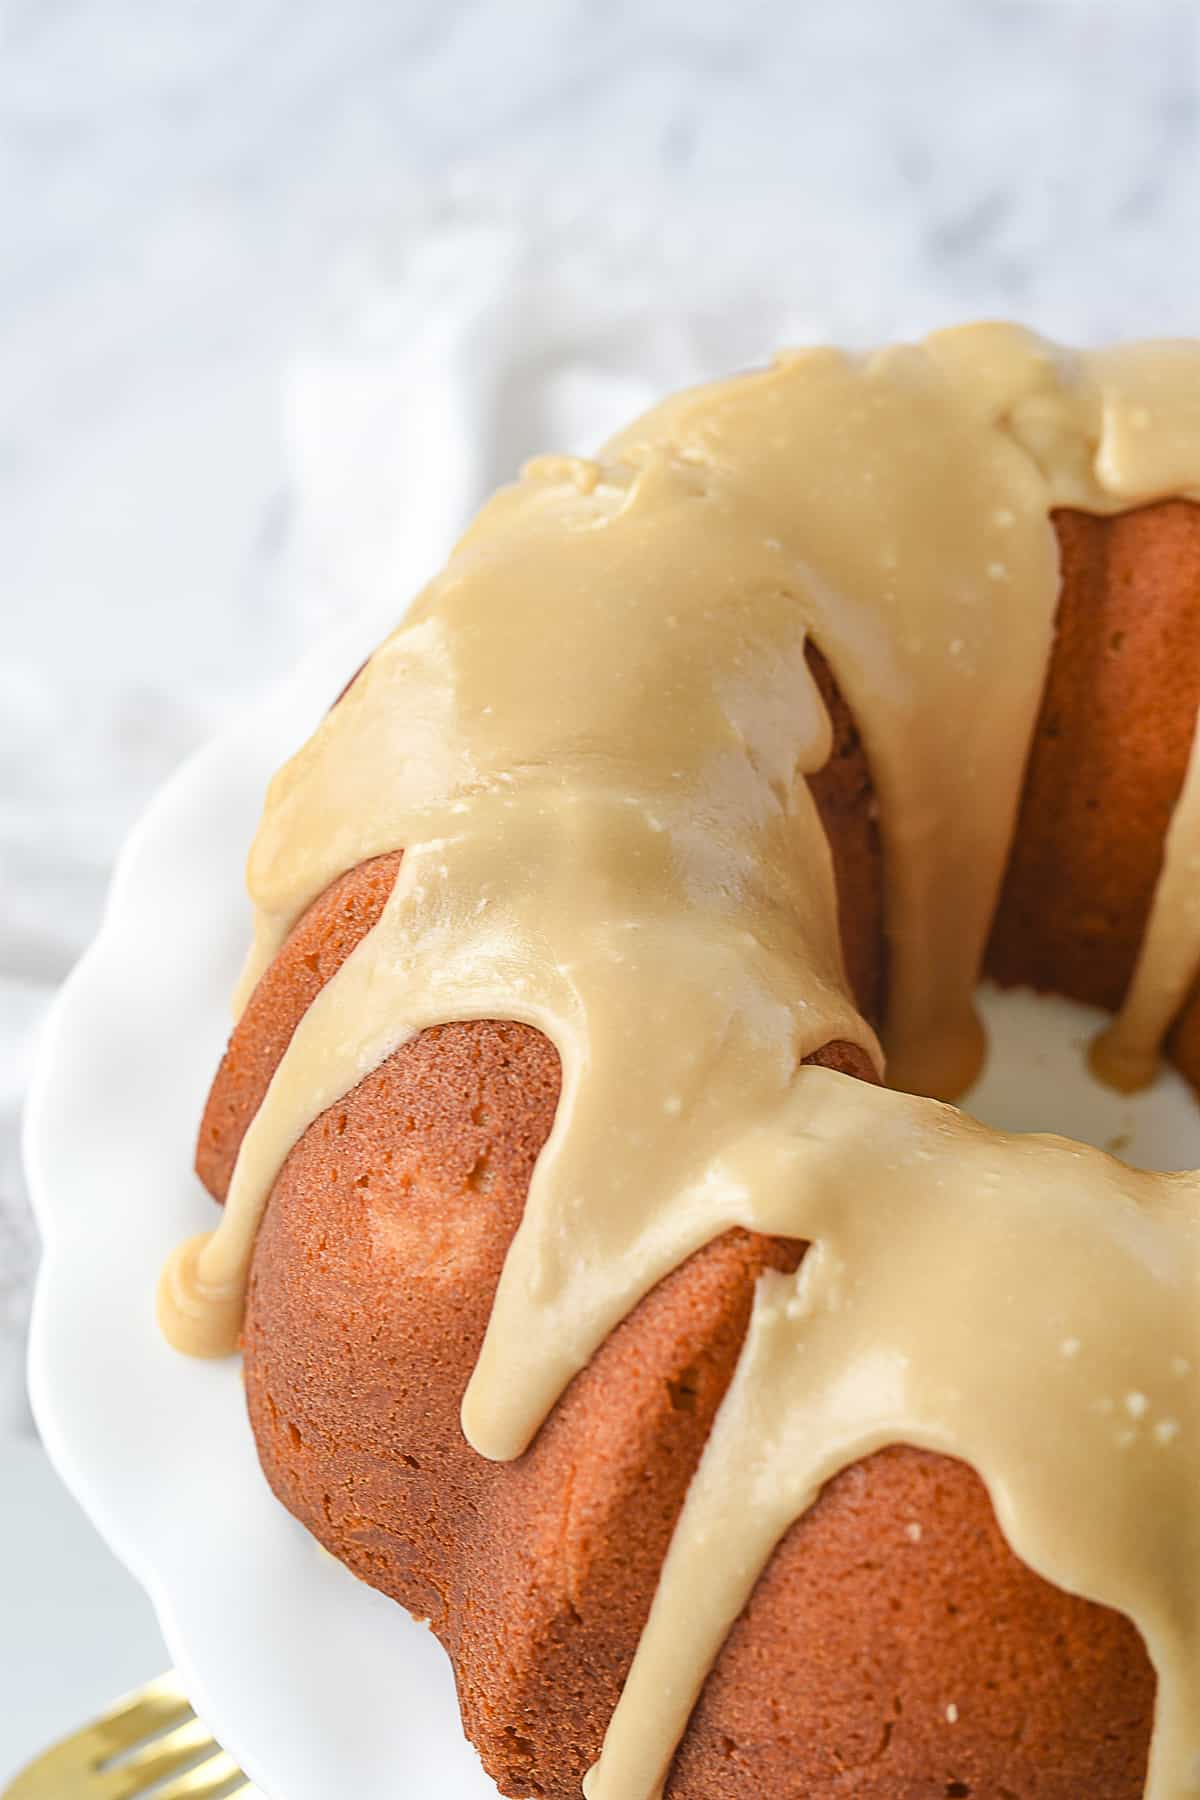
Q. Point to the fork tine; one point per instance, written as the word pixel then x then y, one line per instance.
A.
pixel 207 1781
pixel 162 1756
pixel 110 1759
pixel 136 1716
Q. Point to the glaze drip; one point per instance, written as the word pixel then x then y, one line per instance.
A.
pixel 1126 1054
pixel 591 739
pixel 959 1295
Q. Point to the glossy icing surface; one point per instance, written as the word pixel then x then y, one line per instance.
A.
pixel 590 739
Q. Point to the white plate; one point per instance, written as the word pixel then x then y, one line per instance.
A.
pixel 318 1685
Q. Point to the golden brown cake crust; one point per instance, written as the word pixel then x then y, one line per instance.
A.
pixel 371 1292
pixel 917 1665
pixel 341 917
pixel 383 1243
pixel 1109 754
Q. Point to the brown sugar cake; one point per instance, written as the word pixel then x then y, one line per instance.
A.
pixel 742 1425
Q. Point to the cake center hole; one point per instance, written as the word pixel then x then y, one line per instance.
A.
pixel 1037 1079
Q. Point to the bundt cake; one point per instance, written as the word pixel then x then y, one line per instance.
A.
pixel 744 1427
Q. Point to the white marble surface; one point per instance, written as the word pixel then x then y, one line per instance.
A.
pixel 273 271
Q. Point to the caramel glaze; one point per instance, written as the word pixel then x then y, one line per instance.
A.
pixel 537 1575
pixel 1118 1658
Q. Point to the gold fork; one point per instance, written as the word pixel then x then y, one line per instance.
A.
pixel 150 1739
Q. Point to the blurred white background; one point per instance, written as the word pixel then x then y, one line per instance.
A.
pixel 287 285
